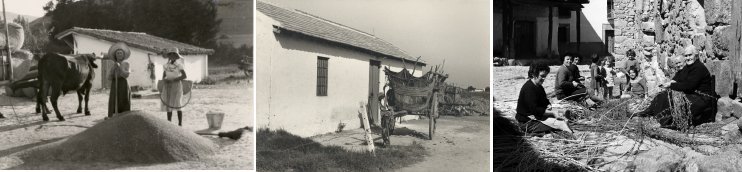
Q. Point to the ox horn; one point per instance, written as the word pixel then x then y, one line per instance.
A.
pixel 102 56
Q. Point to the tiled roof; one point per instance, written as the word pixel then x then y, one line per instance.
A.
pixel 307 24
pixel 137 39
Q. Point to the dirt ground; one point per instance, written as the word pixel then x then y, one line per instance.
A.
pixel 23 129
pixel 459 143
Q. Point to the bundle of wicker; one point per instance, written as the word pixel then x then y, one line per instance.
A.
pixel 596 130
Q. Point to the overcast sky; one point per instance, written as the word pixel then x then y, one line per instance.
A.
pixel 27 7
pixel 455 30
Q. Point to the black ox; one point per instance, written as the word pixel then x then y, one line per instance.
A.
pixel 62 73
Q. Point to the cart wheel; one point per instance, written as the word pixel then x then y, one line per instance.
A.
pixel 431 127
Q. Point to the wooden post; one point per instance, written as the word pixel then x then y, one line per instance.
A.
pixel 577 13
pixel 551 30
pixel 507 16
pixel 433 116
pixel 366 129
pixel 7 46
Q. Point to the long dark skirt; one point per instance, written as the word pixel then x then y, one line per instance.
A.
pixel 703 109
pixel 534 126
pixel 575 95
pixel 119 91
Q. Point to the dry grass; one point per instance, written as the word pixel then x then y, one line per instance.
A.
pixel 584 151
pixel 282 151
pixel 513 151
pixel 598 130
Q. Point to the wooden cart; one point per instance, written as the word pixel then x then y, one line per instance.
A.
pixel 410 95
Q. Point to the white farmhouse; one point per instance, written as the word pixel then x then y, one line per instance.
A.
pixel 312 73
pixel 145 48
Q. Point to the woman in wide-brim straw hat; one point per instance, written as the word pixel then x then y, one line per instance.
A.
pixel 120 96
pixel 172 89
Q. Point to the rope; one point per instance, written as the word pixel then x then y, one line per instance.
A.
pixel 116 93
pixel 12 106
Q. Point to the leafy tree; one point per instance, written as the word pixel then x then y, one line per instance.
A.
pixel 188 21
pixel 20 20
pixel 48 7
pixel 470 88
pixel 225 53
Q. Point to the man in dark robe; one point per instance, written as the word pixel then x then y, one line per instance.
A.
pixel 696 84
pixel 568 87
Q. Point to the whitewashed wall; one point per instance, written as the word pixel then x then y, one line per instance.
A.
pixel 286 78
pixel 196 66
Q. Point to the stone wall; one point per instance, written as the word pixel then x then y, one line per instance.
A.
pixel 659 29
pixel 625 27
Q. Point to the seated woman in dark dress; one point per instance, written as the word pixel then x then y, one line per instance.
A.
pixel 532 106
pixel 568 84
pixel 690 99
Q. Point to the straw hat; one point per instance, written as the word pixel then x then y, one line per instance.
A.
pixel 169 51
pixel 119 46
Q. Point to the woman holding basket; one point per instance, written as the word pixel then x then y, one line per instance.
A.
pixel 171 87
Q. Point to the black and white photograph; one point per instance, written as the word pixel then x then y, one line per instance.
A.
pixel 617 85
pixel 127 85
pixel 365 85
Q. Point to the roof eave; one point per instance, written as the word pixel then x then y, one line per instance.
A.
pixel 63 34
pixel 344 44
pixel 69 32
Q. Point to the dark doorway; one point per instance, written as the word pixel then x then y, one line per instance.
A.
pixel 525 39
pixel 563 38
pixel 609 41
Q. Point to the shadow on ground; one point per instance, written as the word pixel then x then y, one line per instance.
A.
pixel 510 149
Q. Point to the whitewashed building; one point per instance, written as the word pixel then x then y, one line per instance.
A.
pixel 312 73
pixel 145 48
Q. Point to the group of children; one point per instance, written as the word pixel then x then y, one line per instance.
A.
pixel 617 81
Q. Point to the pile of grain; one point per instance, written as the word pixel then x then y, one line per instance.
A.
pixel 132 137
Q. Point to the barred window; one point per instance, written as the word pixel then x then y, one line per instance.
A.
pixel 322 76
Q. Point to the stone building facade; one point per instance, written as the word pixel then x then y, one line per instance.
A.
pixel 659 29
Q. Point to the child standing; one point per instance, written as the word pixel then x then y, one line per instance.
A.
pixel 610 75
